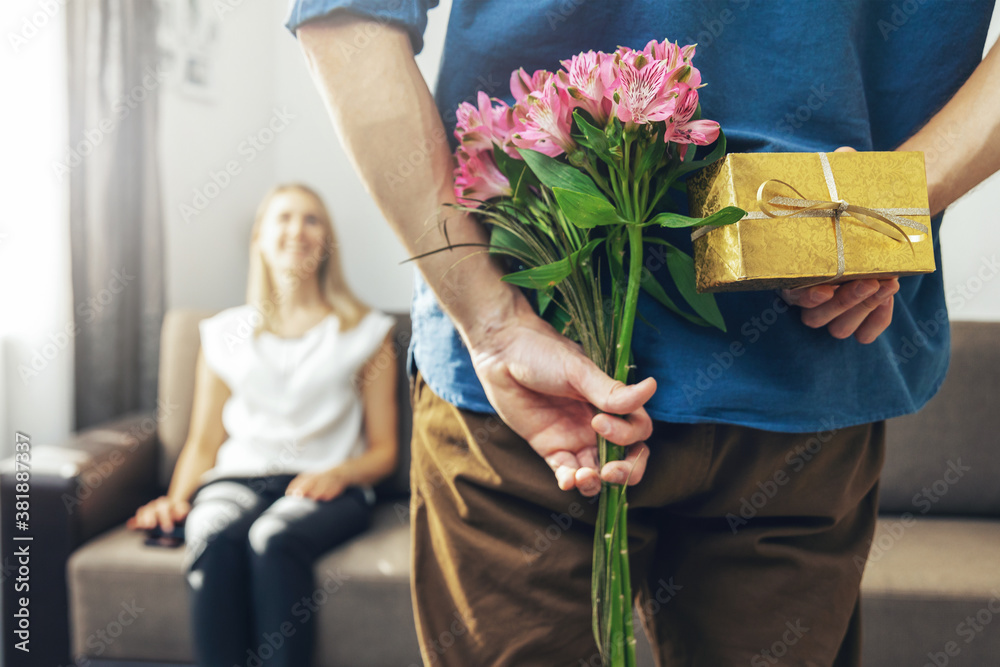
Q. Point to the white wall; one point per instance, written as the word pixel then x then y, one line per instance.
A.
pixel 206 255
pixel 970 242
pixel 260 67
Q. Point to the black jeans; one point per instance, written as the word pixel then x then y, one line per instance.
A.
pixel 249 555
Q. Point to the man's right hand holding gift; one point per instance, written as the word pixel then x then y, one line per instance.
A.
pixel 863 308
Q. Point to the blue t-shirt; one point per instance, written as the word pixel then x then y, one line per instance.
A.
pixel 782 76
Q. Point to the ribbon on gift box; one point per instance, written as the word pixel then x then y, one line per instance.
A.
pixel 888 221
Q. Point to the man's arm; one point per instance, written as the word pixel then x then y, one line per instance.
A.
pixel 962 141
pixel 542 384
pixel 962 148
pixel 392 132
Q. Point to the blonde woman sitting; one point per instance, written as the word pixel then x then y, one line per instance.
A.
pixel 294 420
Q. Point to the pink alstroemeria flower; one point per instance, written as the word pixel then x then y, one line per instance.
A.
pixel 676 59
pixel 642 90
pixel 582 80
pixel 522 85
pixel 666 51
pixel 682 130
pixel 479 127
pixel 543 120
pixel 478 178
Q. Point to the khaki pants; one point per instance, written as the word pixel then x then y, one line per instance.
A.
pixel 747 546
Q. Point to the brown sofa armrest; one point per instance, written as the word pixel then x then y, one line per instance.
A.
pixel 98 477
pixel 79 488
pixel 101 475
pixel 116 473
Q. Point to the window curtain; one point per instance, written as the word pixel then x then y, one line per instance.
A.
pixel 115 217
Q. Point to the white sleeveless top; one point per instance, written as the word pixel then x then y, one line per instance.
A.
pixel 295 405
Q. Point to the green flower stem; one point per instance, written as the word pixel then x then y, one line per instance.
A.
pixel 618 640
pixel 644 197
pixel 631 301
pixel 619 590
pixel 627 588
pixel 614 599
pixel 660 191
pixel 624 173
pixel 637 201
pixel 599 179
pixel 617 190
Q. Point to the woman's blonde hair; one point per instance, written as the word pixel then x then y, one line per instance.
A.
pixel 260 288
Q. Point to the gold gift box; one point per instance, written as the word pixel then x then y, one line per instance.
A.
pixel 761 252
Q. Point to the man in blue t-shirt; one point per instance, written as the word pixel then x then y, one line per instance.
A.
pixel 755 486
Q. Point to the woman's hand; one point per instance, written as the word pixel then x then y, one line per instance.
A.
pixel 163 512
pixel 545 388
pixel 325 485
pixel 862 308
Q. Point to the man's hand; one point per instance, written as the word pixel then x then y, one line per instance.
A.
pixel 325 485
pixel 859 307
pixel 862 308
pixel 545 388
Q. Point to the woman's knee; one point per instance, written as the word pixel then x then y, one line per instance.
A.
pixel 213 533
pixel 269 537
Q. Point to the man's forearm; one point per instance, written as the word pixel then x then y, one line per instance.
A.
pixel 392 132
pixel 962 142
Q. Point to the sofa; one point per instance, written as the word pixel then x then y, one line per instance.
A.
pixel 100 596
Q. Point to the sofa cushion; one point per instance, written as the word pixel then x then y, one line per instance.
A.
pixel 129 601
pixel 930 582
pixel 945 459
pixel 179 344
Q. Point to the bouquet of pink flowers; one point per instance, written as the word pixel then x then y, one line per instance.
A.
pixel 587 156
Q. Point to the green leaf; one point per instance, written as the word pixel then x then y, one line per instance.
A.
pixel 540 277
pixel 516 171
pixel 505 242
pixel 615 249
pixel 681 268
pixel 560 321
pixel 649 283
pixel 725 216
pixel 650 158
pixel 585 210
pixel 556 174
pixel 550 275
pixel 615 132
pixel 615 257
pixel 544 299
pixel 647 323
pixel 594 138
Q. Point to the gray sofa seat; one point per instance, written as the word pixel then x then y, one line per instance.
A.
pixel 925 579
pixel 362 592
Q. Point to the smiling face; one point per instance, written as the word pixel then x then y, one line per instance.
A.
pixel 293 232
